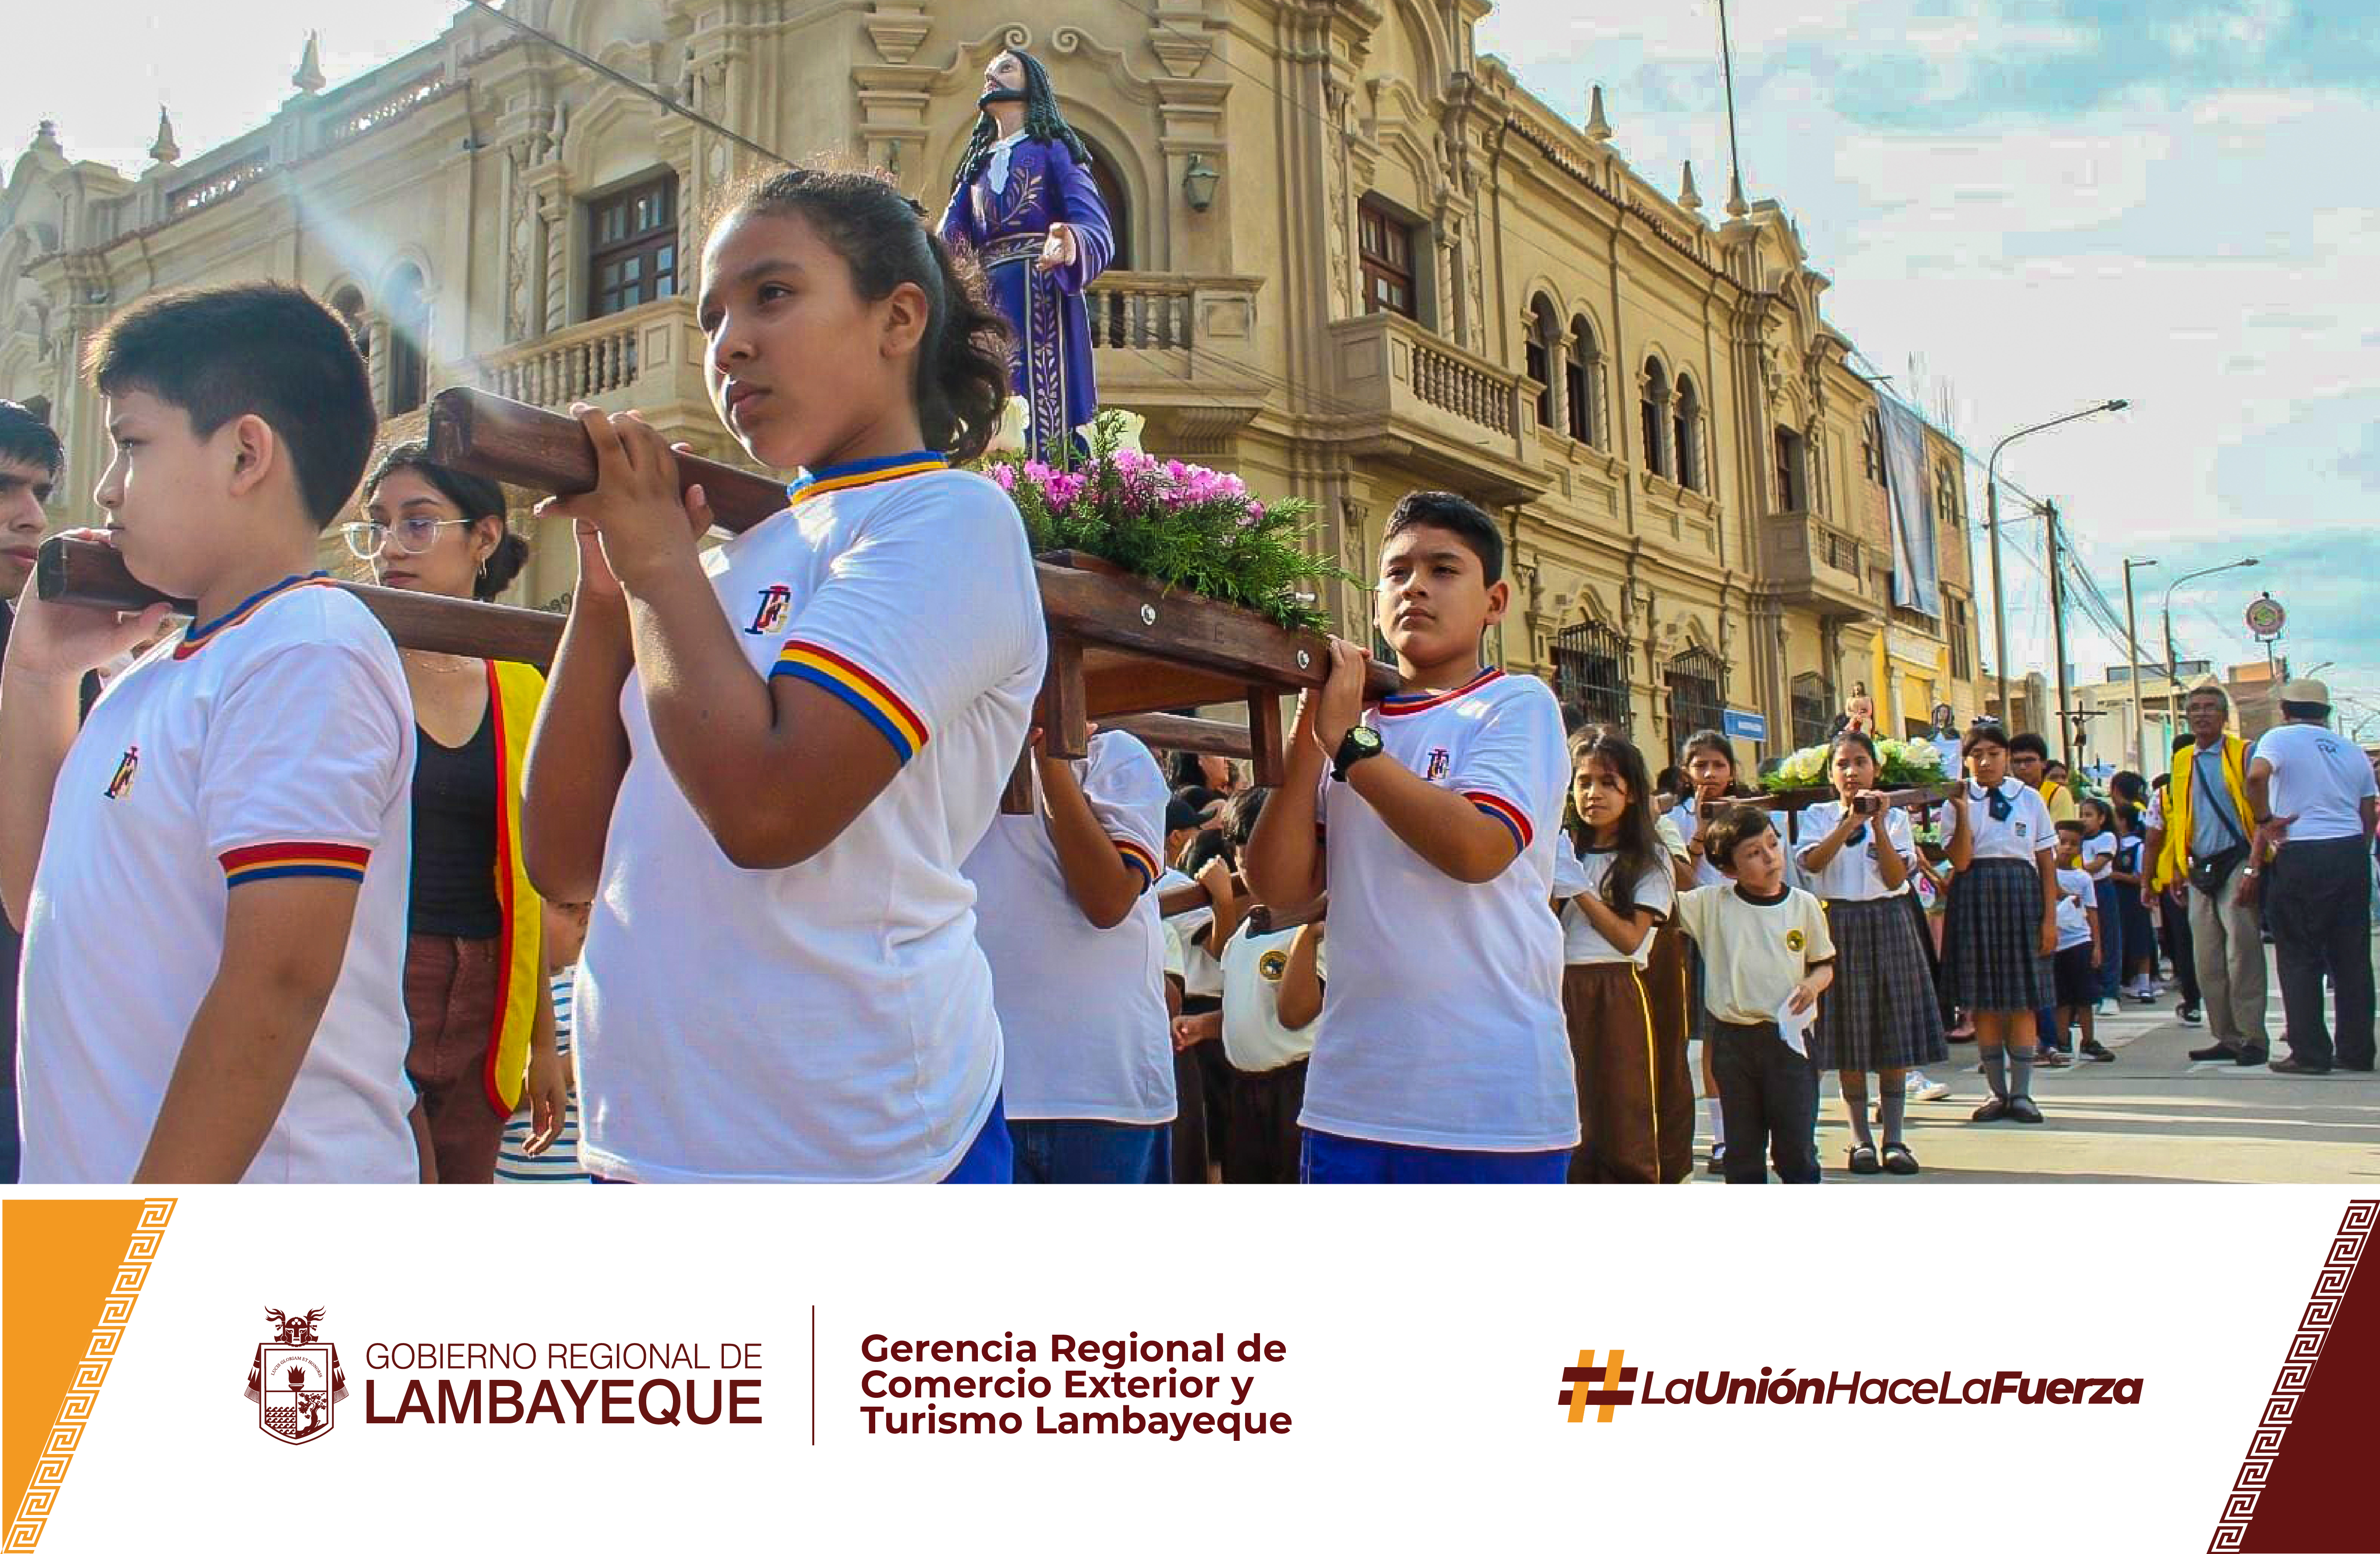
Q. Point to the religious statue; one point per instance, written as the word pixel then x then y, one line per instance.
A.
pixel 1023 200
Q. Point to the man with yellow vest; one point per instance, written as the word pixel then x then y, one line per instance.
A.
pixel 2204 840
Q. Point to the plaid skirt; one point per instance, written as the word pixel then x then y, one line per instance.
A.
pixel 1991 944
pixel 1881 1011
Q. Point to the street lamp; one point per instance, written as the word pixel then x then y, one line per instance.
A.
pixel 1992 528
pixel 2132 644
pixel 2173 665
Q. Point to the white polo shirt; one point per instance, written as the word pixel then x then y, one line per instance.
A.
pixel 1855 874
pixel 1442 1027
pixel 1082 1009
pixel 2027 830
pixel 1574 876
pixel 274 743
pixel 1253 1038
pixel 2318 776
pixel 833 1020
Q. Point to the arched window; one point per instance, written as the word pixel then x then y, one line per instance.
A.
pixel 1581 380
pixel 1682 424
pixel 1111 195
pixel 1655 416
pixel 408 330
pixel 1542 332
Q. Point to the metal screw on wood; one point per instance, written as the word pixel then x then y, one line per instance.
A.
pixel 1304 659
pixel 1149 614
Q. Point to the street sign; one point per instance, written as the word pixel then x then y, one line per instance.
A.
pixel 2265 617
pixel 1736 724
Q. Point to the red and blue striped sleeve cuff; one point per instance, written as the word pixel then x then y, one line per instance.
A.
pixel 866 694
pixel 295 860
pixel 1139 859
pixel 1504 811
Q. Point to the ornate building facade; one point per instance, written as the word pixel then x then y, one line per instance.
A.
pixel 1355 257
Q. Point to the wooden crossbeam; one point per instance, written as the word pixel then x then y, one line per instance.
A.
pixel 1166 731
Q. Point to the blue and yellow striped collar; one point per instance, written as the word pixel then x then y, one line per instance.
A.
pixel 862 472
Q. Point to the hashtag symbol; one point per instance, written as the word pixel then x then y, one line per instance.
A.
pixel 1581 1394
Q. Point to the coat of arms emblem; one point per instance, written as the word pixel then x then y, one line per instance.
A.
pixel 295 1381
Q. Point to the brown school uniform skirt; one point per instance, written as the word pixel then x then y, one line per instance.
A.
pixel 1630 1126
pixel 1670 993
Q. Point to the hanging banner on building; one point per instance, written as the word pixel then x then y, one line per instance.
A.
pixel 1916 574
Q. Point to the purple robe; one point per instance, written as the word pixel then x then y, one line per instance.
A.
pixel 1052 367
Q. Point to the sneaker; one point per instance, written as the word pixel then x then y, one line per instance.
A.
pixel 2021 1108
pixel 2146 995
pixel 1991 1111
pixel 2102 1009
pixel 2189 1015
pixel 1716 1164
pixel 1919 1088
pixel 2097 1054
pixel 2052 1057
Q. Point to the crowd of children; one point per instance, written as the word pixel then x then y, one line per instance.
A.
pixel 1459 943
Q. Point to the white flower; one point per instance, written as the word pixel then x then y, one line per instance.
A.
pixel 1128 430
pixel 1009 438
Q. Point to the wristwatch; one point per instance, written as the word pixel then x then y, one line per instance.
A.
pixel 1361 743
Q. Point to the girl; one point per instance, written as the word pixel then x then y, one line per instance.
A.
pixel 2100 844
pixel 1612 887
pixel 2002 930
pixel 475 976
pixel 1882 1016
pixel 764 763
pixel 2139 934
pixel 1711 777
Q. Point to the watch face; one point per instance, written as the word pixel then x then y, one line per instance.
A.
pixel 1364 737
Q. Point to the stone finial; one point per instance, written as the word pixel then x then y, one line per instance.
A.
pixel 47 134
pixel 1598 128
pixel 308 78
pixel 165 151
pixel 1736 204
pixel 1689 198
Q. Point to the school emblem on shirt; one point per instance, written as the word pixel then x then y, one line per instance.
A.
pixel 770 614
pixel 121 784
pixel 1440 761
pixel 1795 939
pixel 295 1381
pixel 2020 829
pixel 1272 963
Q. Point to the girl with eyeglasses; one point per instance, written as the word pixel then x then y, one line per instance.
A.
pixel 475 975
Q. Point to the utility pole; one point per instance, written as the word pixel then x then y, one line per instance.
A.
pixel 2132 645
pixel 2057 621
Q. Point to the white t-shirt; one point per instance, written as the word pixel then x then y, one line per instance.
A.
pixel 1443 1027
pixel 1179 929
pixel 1855 874
pixel 2077 897
pixel 1202 974
pixel 831 1021
pixel 1753 952
pixel 2095 847
pixel 1688 820
pixel 2027 829
pixel 277 742
pixel 1253 1038
pixel 1082 1009
pixel 1583 942
pixel 2318 776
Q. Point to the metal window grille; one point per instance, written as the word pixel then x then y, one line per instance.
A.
pixel 1590 677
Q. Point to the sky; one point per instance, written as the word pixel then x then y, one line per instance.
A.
pixel 2026 206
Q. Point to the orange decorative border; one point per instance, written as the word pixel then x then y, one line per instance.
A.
pixel 82 1394
pixel 2305 1348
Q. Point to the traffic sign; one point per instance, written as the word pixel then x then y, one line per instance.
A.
pixel 1736 724
pixel 2265 617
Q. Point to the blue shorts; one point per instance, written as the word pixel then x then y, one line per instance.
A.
pixel 1329 1158
pixel 1069 1150
pixel 988 1159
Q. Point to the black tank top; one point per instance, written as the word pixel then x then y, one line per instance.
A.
pixel 454 800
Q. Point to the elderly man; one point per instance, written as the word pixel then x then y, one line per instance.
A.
pixel 2203 841
pixel 2314 802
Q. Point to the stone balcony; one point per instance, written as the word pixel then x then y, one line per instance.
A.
pixel 1180 350
pixel 1807 562
pixel 1398 391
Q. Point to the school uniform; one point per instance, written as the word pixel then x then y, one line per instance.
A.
pixel 1635 1094
pixel 1268 1058
pixel 1191 965
pixel 1881 1012
pixel 275 742
pixel 1991 944
pixel 1688 818
pixel 2110 972
pixel 1442 1053
pixel 833 1020
pixel 2139 931
pixel 2077 978
pixel 1755 949
pixel 1669 986
pixel 1088 1048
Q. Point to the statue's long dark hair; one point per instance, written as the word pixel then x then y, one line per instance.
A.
pixel 1042 122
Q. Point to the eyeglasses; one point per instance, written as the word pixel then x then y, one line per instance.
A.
pixel 408 536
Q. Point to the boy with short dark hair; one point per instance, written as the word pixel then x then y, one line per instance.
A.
pixel 1765 952
pixel 31 460
pixel 1431 820
pixel 233 820
pixel 2080 944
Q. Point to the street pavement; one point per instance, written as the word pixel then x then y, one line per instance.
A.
pixel 2152 1115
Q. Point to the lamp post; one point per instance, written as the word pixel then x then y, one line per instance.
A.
pixel 1992 528
pixel 2133 643
pixel 2173 665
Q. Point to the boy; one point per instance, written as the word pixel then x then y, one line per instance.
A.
pixel 1066 916
pixel 31 460
pixel 213 874
pixel 2080 943
pixel 1765 947
pixel 1442 1055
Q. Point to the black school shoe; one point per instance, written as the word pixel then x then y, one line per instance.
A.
pixel 2218 1053
pixel 2021 1108
pixel 2096 1052
pixel 1991 1111
pixel 2189 1015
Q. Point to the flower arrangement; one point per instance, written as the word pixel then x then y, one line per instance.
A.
pixel 1906 763
pixel 1182 524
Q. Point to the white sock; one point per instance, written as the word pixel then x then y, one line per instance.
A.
pixel 1717 1122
